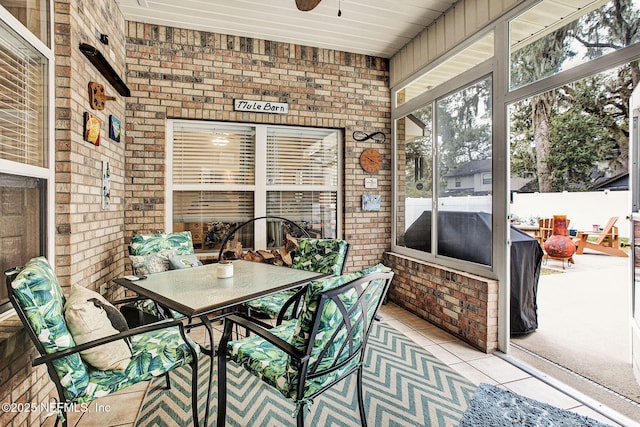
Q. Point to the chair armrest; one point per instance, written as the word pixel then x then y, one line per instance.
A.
pixel 260 330
pixel 95 343
pixel 293 299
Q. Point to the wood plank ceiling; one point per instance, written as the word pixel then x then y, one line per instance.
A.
pixel 371 27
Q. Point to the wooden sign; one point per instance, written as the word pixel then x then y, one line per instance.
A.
pixel 97 97
pixel 261 106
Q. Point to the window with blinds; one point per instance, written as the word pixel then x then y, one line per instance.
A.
pixel 24 141
pixel 23 100
pixel 305 157
pixel 223 174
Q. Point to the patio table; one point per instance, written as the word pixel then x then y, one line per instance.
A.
pixel 198 292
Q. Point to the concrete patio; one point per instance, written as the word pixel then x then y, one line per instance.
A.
pixel 584 329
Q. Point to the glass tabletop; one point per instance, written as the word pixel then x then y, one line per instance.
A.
pixel 198 290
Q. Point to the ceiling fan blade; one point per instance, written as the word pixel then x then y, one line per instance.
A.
pixel 306 5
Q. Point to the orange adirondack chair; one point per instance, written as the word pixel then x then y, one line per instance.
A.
pixel 607 242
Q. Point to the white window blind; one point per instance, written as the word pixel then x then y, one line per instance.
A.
pixel 207 153
pixel 211 206
pixel 302 157
pixel 22 101
pixel 315 210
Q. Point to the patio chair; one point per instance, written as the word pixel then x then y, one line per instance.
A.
pixel 312 254
pixel 154 253
pixel 79 343
pixel 607 242
pixel 319 255
pixel 303 357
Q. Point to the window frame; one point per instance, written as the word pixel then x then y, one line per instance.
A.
pixel 479 72
pixel 47 172
pixel 260 187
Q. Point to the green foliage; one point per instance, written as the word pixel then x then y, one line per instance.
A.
pixel 578 142
pixel 588 132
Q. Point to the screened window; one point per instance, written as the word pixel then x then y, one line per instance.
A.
pixel 461 125
pixel 581 31
pixel 224 174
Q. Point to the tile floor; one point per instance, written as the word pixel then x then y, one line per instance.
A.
pixel 121 409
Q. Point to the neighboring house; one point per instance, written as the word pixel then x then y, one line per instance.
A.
pixel 619 182
pixel 472 178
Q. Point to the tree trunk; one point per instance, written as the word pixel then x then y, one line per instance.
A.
pixel 541 118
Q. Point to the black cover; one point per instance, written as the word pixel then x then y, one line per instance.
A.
pixel 526 261
pixel 467 236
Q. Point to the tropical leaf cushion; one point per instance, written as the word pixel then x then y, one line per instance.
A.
pixel 321 255
pixel 265 360
pixel 39 294
pixel 272 304
pixel 152 263
pixel 88 321
pixel 271 364
pixel 154 353
pixel 145 244
pixel 159 248
pixel 331 325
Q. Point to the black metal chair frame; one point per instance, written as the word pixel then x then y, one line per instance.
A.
pixel 48 358
pixel 306 370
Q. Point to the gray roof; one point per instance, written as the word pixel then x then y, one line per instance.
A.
pixel 471 168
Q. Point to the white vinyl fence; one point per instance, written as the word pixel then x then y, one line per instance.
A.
pixel 584 209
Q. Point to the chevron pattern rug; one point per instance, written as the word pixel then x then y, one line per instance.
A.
pixel 404 385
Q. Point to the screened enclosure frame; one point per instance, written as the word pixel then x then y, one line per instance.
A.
pixel 503 96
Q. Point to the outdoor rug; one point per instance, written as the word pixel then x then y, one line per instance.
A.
pixel 493 406
pixel 404 385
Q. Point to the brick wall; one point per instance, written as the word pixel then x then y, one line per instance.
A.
pixel 88 239
pixel 177 73
pixel 460 303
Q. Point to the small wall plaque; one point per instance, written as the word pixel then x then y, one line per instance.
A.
pixel 370 202
pixel 371 183
pixel 106 185
pixel 92 126
pixel 115 128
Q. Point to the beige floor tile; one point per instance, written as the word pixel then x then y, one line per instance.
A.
pixel 398 325
pixel 414 322
pixel 536 389
pixel 472 374
pixel 113 410
pixel 442 354
pixel 498 369
pixel 437 335
pixel 464 351
pixel 586 411
pixel 418 338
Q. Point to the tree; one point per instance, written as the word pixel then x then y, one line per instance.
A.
pixel 531 63
pixel 464 126
pixel 600 102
